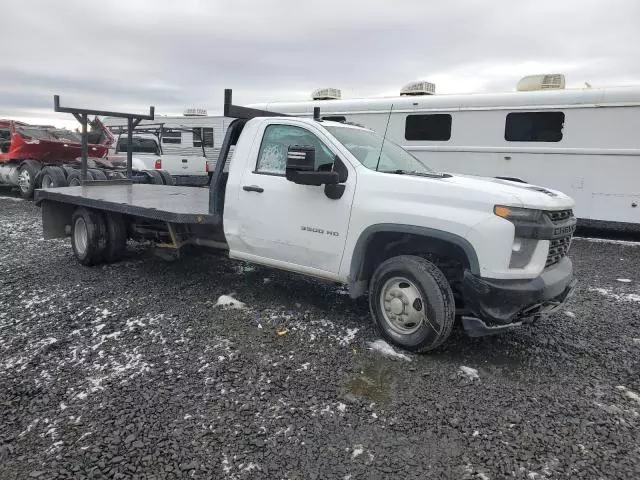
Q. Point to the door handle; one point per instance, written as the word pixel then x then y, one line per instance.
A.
pixel 253 188
pixel 184 160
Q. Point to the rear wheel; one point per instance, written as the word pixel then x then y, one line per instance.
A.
pixel 53 177
pixel 27 177
pixel 88 236
pixel 412 303
pixel 98 174
pixel 116 237
pixel 166 177
pixel 155 177
pixel 73 178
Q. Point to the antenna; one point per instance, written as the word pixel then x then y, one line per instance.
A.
pixel 385 136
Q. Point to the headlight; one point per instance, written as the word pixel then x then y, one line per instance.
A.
pixel 518 215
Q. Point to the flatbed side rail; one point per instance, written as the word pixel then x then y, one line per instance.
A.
pixel 49 200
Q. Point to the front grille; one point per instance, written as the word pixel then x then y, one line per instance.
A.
pixel 559 247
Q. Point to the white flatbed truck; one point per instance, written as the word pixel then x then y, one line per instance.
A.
pixel 339 202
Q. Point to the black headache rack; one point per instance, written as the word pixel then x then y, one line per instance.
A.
pixel 82 115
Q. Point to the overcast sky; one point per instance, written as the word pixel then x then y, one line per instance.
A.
pixel 127 55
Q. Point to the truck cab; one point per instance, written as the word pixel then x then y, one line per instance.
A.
pixel 342 203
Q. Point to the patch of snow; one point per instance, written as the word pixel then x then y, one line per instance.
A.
pixel 12 199
pixel 226 467
pixel 468 373
pixel 570 314
pixel 250 466
pixel 623 280
pixel 357 451
pixel 606 240
pixel 629 393
pixel 387 350
pixel 342 407
pixel 475 433
pixel 374 414
pixel 482 476
pixel 636 341
pixel 228 301
pixel 350 335
pixel 305 366
pixel 624 297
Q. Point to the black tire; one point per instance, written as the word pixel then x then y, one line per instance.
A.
pixel 155 178
pixel 116 237
pixel 435 298
pixel 89 249
pixel 73 178
pixel 167 179
pixel 27 177
pixel 52 177
pixel 97 174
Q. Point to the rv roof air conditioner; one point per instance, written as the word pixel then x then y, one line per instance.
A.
pixel 195 112
pixel 552 81
pixel 326 94
pixel 418 88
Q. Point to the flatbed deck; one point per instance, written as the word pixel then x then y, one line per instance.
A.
pixel 155 202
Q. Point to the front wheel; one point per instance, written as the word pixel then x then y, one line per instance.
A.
pixel 412 303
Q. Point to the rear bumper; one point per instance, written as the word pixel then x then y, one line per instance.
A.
pixel 501 304
pixel 191 180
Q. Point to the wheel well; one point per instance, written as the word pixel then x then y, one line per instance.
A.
pixel 448 254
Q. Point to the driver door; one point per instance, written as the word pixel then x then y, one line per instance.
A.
pixel 287 224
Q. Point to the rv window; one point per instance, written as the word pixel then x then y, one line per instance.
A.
pixel 200 134
pixel 171 136
pixel 534 127
pixel 434 127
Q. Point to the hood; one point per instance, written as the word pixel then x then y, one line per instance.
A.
pixel 524 194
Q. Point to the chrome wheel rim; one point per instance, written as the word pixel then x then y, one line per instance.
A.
pixel 402 306
pixel 24 180
pixel 80 235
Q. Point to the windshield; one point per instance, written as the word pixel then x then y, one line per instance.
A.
pixel 365 146
pixel 140 145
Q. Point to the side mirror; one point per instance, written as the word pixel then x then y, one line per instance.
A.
pixel 300 168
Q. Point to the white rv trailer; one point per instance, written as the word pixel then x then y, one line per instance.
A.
pixel 183 134
pixel 583 142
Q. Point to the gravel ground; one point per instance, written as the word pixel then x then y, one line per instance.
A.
pixel 143 369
